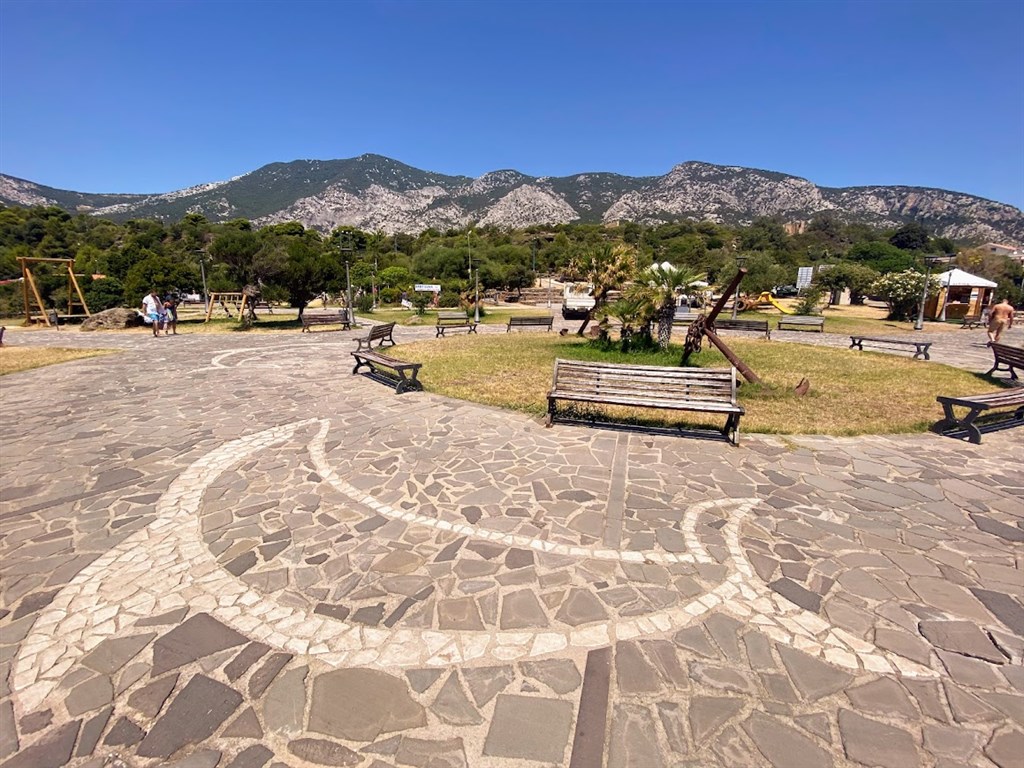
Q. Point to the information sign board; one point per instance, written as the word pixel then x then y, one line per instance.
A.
pixel 433 287
pixel 804 275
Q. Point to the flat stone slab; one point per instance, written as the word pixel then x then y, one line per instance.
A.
pixel 180 726
pixel 962 637
pixel 548 722
pixel 200 636
pixel 384 705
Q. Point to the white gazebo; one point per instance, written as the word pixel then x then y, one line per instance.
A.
pixel 961 294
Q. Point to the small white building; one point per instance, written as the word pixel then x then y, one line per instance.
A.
pixel 961 294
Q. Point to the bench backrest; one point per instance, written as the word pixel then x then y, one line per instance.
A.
pixel 531 320
pixel 753 325
pixel 803 320
pixel 453 316
pixel 685 317
pixel 1008 353
pixel 380 331
pixel 654 382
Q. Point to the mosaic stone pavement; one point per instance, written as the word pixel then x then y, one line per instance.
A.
pixel 222 550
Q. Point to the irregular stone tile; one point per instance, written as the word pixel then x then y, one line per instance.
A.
pixel 722 678
pixel 663 656
pixel 285 702
pixel 674 725
pixel 872 743
pixel 255 756
pixel 560 675
pixel 734 752
pixel 1002 530
pixel 36 721
pixel 370 615
pixel 425 753
pixel 385 705
pixel 201 635
pixel 798 594
pixel 421 679
pixel 779 688
pixel 812 678
pixel 1005 748
pixel 725 631
pixel 929 698
pixel 34 602
pixel 245 726
pixel 955 743
pixel 53 751
pixel 453 706
pixel 961 637
pixel 759 652
pixel 882 696
pixel 487 682
pixel 581 607
pixel 242 563
pixel 204 758
pixel 546 720
pixel 694 639
pixel 968 708
pixel 90 695
pixel 967 671
pixel 179 726
pixel 8 729
pixel 903 644
pixel 171 617
pixel 91 732
pixel 265 675
pixel 150 699
pixel 125 733
pixel 951 598
pixel 818 724
pixel 323 752
pixel 248 656
pixel 1010 705
pixel 113 653
pixel 1003 607
pixel 708 713
pixel 339 612
pixel 633 673
pixel 633 740
pixel 520 610
pixel 783 746
pixel 459 613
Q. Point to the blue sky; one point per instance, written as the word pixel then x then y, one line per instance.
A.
pixel 153 96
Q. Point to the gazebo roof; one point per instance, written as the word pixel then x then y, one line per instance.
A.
pixel 957 278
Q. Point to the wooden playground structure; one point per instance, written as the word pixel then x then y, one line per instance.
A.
pixel 237 299
pixel 30 292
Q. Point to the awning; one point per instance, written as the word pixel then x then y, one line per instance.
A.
pixel 957 278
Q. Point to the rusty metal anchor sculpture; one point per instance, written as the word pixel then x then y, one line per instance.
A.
pixel 705 326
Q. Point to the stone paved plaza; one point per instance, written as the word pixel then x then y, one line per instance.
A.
pixel 228 551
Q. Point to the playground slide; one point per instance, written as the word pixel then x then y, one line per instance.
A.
pixel 771 300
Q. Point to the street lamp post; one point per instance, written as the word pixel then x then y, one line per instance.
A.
pixel 740 261
pixel 373 282
pixel 202 271
pixel 347 252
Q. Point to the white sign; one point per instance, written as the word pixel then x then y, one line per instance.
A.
pixel 804 275
pixel 427 287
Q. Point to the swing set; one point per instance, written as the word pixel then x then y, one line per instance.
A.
pixel 237 300
pixel 30 291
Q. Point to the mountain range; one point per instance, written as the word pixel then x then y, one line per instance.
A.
pixel 376 193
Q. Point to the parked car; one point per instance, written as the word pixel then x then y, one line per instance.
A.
pixel 784 291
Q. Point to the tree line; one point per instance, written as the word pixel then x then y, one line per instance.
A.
pixel 120 262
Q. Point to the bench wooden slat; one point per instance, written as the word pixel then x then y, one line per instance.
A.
pixel 1006 358
pixel 530 320
pixel 447 321
pixel 381 333
pixel 701 390
pixel 920 347
pixel 373 359
pixel 975 405
pixel 756 326
pixel 803 321
pixel 311 319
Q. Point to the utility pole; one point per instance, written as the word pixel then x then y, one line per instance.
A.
pixel 348 286
pixel 476 304
pixel 373 285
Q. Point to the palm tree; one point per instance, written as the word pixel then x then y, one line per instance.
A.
pixel 606 267
pixel 659 286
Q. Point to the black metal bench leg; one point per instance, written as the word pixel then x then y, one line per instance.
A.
pixel 973 433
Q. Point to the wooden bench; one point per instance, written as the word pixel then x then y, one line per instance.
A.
pixel 920 347
pixel 374 360
pixel 979 320
pixel 380 333
pixel 756 326
pixel 976 404
pixel 326 318
pixel 803 321
pixel 531 321
pixel 1006 357
pixel 447 321
pixel 705 390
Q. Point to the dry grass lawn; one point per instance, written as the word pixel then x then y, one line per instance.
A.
pixel 15 359
pixel 851 393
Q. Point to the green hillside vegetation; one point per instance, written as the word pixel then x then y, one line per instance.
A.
pixel 294 264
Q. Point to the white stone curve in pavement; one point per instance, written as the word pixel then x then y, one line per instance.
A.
pixel 166 565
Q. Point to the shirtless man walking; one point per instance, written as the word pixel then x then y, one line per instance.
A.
pixel 1000 318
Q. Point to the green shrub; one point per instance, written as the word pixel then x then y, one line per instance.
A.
pixel 808 304
pixel 390 295
pixel 365 303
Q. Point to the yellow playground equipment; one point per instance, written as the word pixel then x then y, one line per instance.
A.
pixel 762 300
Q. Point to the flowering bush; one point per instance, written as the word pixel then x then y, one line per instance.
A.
pixel 902 292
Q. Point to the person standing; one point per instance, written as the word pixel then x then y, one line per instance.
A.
pixel 152 308
pixel 171 308
pixel 1000 318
